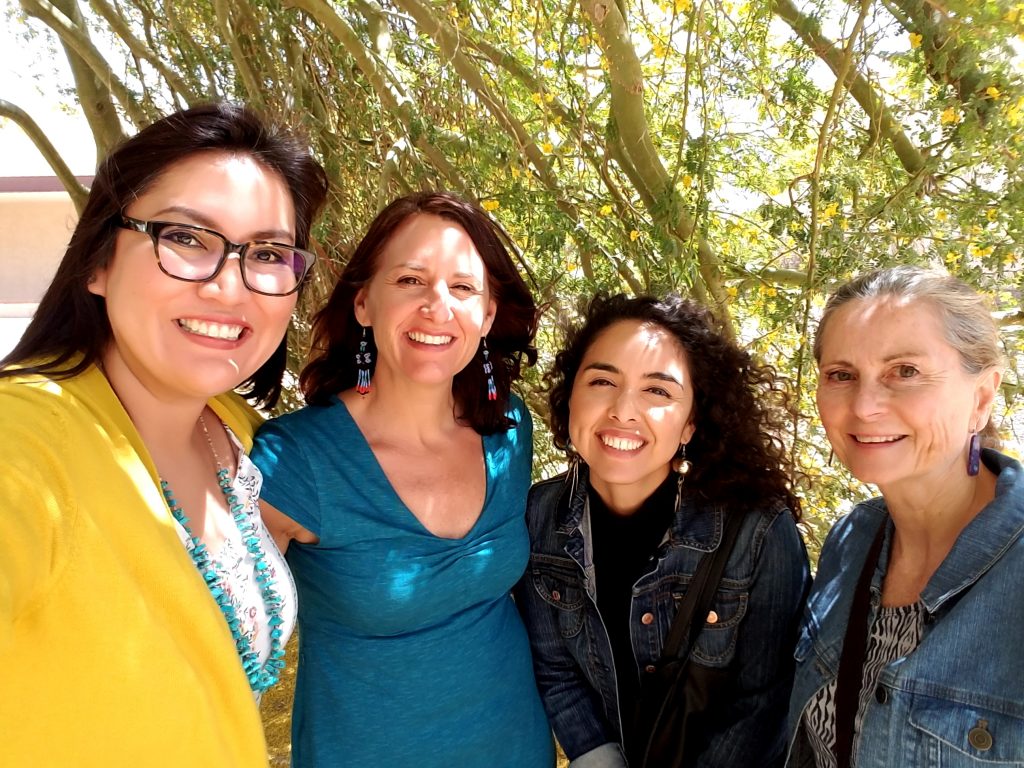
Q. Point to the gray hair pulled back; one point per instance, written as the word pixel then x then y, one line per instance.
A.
pixel 964 313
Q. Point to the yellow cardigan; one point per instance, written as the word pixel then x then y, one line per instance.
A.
pixel 112 652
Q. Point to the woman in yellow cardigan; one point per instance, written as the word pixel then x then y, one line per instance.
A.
pixel 138 587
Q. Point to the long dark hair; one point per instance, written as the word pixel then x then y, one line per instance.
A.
pixel 740 407
pixel 70 329
pixel 336 332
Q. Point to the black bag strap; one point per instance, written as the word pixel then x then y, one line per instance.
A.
pixel 701 592
pixel 851 663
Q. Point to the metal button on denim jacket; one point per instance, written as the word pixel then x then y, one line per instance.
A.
pixel 757 607
pixel 957 701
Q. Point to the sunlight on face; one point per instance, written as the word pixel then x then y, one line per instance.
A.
pixel 630 409
pixel 893 394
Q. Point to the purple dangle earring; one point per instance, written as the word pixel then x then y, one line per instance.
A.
pixel 492 392
pixel 363 360
pixel 974 455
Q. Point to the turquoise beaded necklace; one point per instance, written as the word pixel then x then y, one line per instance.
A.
pixel 261 676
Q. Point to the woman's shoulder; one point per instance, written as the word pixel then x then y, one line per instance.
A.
pixel 308 418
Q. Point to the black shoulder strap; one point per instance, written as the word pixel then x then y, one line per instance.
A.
pixel 851 663
pixel 701 592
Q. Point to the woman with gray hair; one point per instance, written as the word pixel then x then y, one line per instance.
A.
pixel 909 650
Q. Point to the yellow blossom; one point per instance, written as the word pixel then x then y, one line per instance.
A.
pixel 490 205
pixel 1010 259
pixel 548 64
pixel 549 97
pixel 795 226
pixel 547 147
pixel 1011 15
pixel 830 211
pixel 584 40
pixel 991 214
pixel 992 92
pixel 731 291
pixel 557 120
pixel 516 173
pixel 634 234
pixel 768 290
pixel 659 49
pixel 949 116
pixel 605 210
pixel 683 6
pixel 844 223
pixel 915 40
pixel 941 215
pixel 537 98
pixel 1014 112
pixel 687 180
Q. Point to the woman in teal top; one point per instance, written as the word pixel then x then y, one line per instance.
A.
pixel 401 490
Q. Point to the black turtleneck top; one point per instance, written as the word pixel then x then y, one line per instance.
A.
pixel 624 550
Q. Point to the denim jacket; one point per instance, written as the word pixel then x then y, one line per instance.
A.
pixel 957 701
pixel 758 604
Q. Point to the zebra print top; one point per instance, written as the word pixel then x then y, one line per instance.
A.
pixel 895 633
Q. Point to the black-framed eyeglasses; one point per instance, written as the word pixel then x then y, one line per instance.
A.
pixel 197 254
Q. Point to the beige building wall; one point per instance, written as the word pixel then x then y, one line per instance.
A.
pixel 34 231
pixel 34 228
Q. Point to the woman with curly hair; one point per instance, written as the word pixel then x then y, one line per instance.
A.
pixel 670 429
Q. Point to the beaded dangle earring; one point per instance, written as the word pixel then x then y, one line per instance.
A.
pixel 363 361
pixel 492 392
pixel 974 455
pixel 681 466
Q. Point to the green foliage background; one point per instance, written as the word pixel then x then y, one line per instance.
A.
pixel 750 154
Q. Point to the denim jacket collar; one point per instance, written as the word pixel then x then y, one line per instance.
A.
pixel 695 525
pixel 985 539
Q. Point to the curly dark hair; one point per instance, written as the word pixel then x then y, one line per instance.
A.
pixel 336 332
pixel 70 329
pixel 740 406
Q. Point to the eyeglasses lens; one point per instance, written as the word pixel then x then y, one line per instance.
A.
pixel 195 254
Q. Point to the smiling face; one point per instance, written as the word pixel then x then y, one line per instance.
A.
pixel 195 340
pixel 630 409
pixel 894 398
pixel 428 303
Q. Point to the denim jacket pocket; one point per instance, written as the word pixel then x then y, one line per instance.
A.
pixel 557 581
pixel 956 735
pixel 716 643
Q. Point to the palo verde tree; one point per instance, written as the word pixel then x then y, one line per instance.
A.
pixel 749 154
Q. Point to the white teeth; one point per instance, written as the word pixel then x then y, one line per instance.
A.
pixel 424 338
pixel 621 443
pixel 872 439
pixel 212 330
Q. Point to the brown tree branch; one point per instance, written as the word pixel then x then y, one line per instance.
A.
pixel 809 31
pixel 23 120
pixel 94 79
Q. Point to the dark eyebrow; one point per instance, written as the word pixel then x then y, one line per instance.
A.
pixel 205 221
pixel 663 377
pixel 606 367
pixel 657 375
